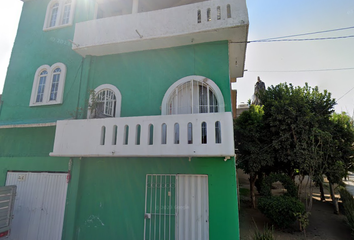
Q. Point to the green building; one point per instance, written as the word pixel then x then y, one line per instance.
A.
pixel 116 119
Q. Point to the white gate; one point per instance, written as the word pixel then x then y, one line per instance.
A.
pixel 39 205
pixel 176 207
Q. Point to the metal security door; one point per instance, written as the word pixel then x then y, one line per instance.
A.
pixel 176 207
pixel 39 205
pixel 160 202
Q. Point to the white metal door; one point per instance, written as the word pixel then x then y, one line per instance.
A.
pixel 176 207
pixel 39 205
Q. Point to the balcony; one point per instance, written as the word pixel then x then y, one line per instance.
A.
pixel 201 22
pixel 190 135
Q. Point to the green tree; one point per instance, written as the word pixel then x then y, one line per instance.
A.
pixel 249 141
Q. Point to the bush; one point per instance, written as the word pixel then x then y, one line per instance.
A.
pixel 267 234
pixel 281 210
pixel 348 204
pixel 266 185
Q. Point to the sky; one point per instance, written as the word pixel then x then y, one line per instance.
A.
pixel 313 61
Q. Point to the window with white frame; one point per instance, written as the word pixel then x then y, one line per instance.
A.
pixel 59 14
pixel 194 94
pixel 105 101
pixel 190 95
pixel 48 85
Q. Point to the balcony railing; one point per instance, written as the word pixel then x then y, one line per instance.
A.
pixel 206 21
pixel 191 135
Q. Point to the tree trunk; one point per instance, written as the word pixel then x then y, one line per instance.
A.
pixel 323 199
pixel 334 200
pixel 252 194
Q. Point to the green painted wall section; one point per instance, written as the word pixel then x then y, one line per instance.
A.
pixel 33 48
pixel 142 77
pixel 112 194
pixel 26 142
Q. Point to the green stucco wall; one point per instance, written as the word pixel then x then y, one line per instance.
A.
pixel 111 188
pixel 112 195
pixel 142 77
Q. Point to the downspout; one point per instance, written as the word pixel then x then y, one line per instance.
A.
pixel 78 96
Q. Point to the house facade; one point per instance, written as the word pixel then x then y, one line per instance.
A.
pixel 116 119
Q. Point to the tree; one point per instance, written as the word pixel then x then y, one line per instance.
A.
pixel 249 141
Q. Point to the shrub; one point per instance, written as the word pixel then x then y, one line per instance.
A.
pixel 281 210
pixel 267 234
pixel 266 185
pixel 348 204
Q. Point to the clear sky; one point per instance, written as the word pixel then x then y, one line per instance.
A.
pixel 271 61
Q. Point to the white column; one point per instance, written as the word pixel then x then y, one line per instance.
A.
pixel 135 6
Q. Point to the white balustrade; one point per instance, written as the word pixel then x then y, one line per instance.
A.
pixel 146 136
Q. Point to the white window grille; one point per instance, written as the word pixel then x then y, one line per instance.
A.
pixel 105 103
pixel 193 97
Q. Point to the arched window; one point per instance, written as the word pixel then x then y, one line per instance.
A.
pixel 59 14
pixel 54 15
pixel 48 85
pixel 41 86
pixel 66 14
pixel 193 94
pixel 55 84
pixel 105 101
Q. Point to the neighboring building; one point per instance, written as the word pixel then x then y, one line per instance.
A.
pixel 116 119
pixel 241 108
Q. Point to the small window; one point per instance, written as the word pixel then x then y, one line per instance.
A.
pixel 199 17
pixel 190 133
pixel 217 132
pixel 208 15
pixel 114 135
pixel 48 85
pixel 163 133
pixel 103 135
pixel 218 13
pixel 126 135
pixel 204 133
pixel 151 134
pixel 176 133
pixel 59 14
pixel 104 102
pixel 138 133
pixel 228 10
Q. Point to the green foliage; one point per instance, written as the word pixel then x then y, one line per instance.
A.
pixel 288 184
pixel 281 210
pixel 267 234
pixel 348 203
pixel 249 140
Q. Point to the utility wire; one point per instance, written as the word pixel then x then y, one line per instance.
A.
pixel 296 39
pixel 303 70
pixel 302 39
pixel 309 33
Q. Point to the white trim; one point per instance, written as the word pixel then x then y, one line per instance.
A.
pixel 60 14
pixel 208 81
pixel 116 92
pixel 48 84
pixel 29 125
